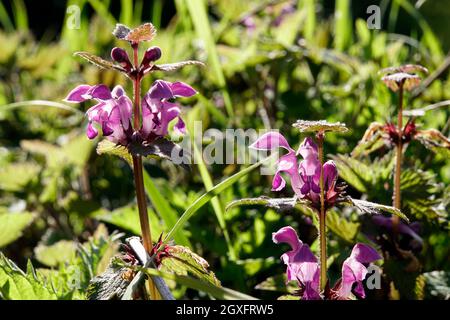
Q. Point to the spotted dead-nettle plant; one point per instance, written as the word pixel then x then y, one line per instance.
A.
pixel 316 188
pixel 134 128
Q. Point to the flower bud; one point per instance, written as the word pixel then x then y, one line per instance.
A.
pixel 121 56
pixel 152 54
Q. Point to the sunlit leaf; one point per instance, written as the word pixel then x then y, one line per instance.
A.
pixel 12 226
pixel 371 208
pixel 99 62
pixel 62 251
pixel 319 126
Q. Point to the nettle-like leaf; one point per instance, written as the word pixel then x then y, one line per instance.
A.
pixel 182 261
pixel 342 227
pixel 371 208
pixel 420 194
pixel 175 66
pixel 279 204
pixel 18 285
pixel 12 225
pixel 99 62
pixel 145 32
pixel 319 126
pixel 437 285
pixel 435 141
pixel 121 31
pixel 108 147
pixel 161 148
pixel 365 176
pixel 407 68
pixel 15 176
pixel 111 284
pixel 371 141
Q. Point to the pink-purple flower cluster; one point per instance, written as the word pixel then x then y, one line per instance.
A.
pixel 304 175
pixel 113 111
pixel 303 267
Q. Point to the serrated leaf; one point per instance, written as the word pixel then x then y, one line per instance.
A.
pixel 161 148
pixel 121 31
pixel 145 32
pixel 108 147
pixel 340 226
pixel 175 66
pixel 280 204
pixel 437 284
pixel 111 284
pixel 62 251
pixel 99 62
pixel 371 208
pixel 18 285
pixel 183 261
pixel 12 226
pixel 319 126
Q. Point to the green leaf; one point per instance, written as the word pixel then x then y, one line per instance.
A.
pixel 161 148
pixel 108 147
pixel 62 251
pixel 175 66
pixel 194 207
pixel 199 16
pixel 319 126
pixel 435 141
pixel 371 208
pixel 220 293
pixel 15 176
pixel 437 284
pixel 18 285
pixel 278 283
pixel 12 225
pixel 279 204
pixel 340 226
pixel 127 218
pixel 183 261
pixel 164 209
pixel 99 62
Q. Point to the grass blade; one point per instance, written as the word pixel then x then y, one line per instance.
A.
pixel 200 202
pixel 199 16
pixel 220 293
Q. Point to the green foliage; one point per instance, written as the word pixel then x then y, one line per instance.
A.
pixel 12 225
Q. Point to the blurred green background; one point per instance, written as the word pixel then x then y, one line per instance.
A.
pixel 269 63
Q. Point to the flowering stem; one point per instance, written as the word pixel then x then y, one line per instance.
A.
pixel 398 164
pixel 322 218
pixel 138 171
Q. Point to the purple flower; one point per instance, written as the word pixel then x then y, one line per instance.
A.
pixel 302 265
pixel 403 228
pixel 304 176
pixel 112 112
pixel 158 109
pixel 354 270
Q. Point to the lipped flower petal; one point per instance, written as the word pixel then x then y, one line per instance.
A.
pixel 76 95
pixel 99 92
pixel 354 270
pixel 309 276
pixel 91 131
pixel 270 141
pixel 160 90
pixel 181 89
pixel 288 164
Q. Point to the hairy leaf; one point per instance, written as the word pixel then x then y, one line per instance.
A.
pixel 319 126
pixel 175 66
pixel 280 204
pixel 121 31
pixel 371 141
pixel 183 261
pixel 145 32
pixel 370 208
pixel 108 147
pixel 435 141
pixel 99 62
